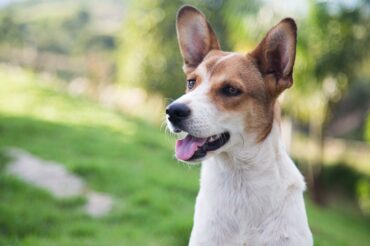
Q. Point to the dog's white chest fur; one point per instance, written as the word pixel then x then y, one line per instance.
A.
pixel 254 197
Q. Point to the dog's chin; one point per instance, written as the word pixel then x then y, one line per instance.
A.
pixel 193 149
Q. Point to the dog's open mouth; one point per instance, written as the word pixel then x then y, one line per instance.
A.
pixel 192 148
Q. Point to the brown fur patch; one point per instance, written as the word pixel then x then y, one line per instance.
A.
pixel 208 63
pixel 240 71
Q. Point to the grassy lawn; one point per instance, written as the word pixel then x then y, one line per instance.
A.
pixel 116 154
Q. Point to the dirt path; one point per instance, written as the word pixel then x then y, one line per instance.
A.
pixel 53 177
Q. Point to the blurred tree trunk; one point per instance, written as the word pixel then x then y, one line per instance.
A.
pixel 315 165
pixel 318 130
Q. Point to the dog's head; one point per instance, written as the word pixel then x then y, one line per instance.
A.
pixel 230 97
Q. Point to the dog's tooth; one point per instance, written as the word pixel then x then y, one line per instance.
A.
pixel 214 137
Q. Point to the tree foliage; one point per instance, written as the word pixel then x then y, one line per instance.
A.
pixel 332 47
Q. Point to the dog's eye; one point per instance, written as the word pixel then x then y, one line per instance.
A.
pixel 230 91
pixel 190 83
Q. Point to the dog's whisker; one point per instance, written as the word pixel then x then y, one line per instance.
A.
pixel 163 126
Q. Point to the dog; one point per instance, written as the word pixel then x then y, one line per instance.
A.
pixel 251 193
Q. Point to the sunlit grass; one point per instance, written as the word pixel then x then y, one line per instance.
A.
pixel 27 95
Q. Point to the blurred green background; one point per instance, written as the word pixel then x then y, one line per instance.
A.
pixel 84 84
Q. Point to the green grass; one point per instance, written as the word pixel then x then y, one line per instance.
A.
pixel 338 225
pixel 125 157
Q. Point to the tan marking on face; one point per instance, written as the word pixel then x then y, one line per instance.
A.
pixel 201 73
pixel 240 71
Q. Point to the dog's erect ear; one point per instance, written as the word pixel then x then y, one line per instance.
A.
pixel 275 56
pixel 195 36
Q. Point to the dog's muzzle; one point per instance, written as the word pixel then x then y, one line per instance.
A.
pixel 192 148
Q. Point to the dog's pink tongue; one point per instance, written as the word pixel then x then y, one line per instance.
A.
pixel 185 148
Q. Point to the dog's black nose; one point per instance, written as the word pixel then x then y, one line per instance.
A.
pixel 177 112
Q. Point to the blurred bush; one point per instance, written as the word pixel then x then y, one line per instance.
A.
pixel 363 194
pixel 148 56
pixel 340 181
pixel 367 133
pixel 342 177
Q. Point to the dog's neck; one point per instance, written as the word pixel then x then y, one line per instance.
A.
pixel 255 187
pixel 264 164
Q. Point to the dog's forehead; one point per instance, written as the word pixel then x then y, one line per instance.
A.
pixel 221 65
